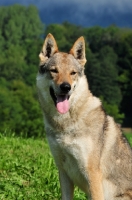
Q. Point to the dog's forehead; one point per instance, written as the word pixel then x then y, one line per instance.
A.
pixel 63 59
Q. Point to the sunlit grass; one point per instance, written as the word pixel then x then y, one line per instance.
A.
pixel 27 171
pixel 129 138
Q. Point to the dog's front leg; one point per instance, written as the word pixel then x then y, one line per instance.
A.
pixel 67 187
pixel 96 185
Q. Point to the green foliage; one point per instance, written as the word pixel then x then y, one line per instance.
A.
pixel 21 31
pixel 124 53
pixel 109 68
pixel 102 74
pixel 113 110
pixel 20 109
pixel 19 23
pixel 27 171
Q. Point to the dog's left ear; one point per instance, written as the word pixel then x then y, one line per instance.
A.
pixel 78 51
pixel 49 48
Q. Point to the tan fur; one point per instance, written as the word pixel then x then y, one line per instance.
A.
pixel 87 145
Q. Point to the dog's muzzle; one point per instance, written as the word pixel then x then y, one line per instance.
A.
pixel 61 100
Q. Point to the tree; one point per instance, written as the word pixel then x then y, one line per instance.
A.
pixel 124 52
pixel 102 74
pixel 19 109
pixel 65 34
pixel 19 23
pixel 20 33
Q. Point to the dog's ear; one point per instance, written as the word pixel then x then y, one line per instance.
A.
pixel 49 48
pixel 78 51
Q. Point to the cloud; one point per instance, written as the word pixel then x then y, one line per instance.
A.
pixel 88 12
pixel 84 12
pixel 83 5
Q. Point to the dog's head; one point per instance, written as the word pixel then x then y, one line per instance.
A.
pixel 59 72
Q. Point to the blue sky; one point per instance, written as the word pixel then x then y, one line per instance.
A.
pixel 82 12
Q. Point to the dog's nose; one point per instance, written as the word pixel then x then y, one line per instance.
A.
pixel 65 87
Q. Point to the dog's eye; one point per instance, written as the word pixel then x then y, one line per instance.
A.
pixel 73 73
pixel 42 69
pixel 53 70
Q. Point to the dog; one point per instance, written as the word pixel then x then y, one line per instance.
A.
pixel 87 145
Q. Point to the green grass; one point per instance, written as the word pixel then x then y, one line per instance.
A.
pixel 28 172
pixel 129 138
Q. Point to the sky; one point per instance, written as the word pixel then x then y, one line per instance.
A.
pixel 85 13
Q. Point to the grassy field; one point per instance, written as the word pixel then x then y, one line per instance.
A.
pixel 28 172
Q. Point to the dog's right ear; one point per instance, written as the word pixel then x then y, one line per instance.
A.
pixel 49 48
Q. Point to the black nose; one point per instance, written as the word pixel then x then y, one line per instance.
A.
pixel 65 87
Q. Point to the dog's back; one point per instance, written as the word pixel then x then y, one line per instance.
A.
pixel 87 145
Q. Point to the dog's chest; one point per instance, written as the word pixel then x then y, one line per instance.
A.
pixel 72 154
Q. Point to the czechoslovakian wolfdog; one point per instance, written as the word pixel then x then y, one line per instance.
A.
pixel 87 145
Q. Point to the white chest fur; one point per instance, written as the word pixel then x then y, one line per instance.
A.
pixel 71 153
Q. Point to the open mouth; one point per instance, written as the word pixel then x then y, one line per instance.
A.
pixel 61 101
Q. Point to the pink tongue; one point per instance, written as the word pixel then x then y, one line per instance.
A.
pixel 62 104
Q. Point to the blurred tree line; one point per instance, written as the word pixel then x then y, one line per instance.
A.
pixel 108 67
